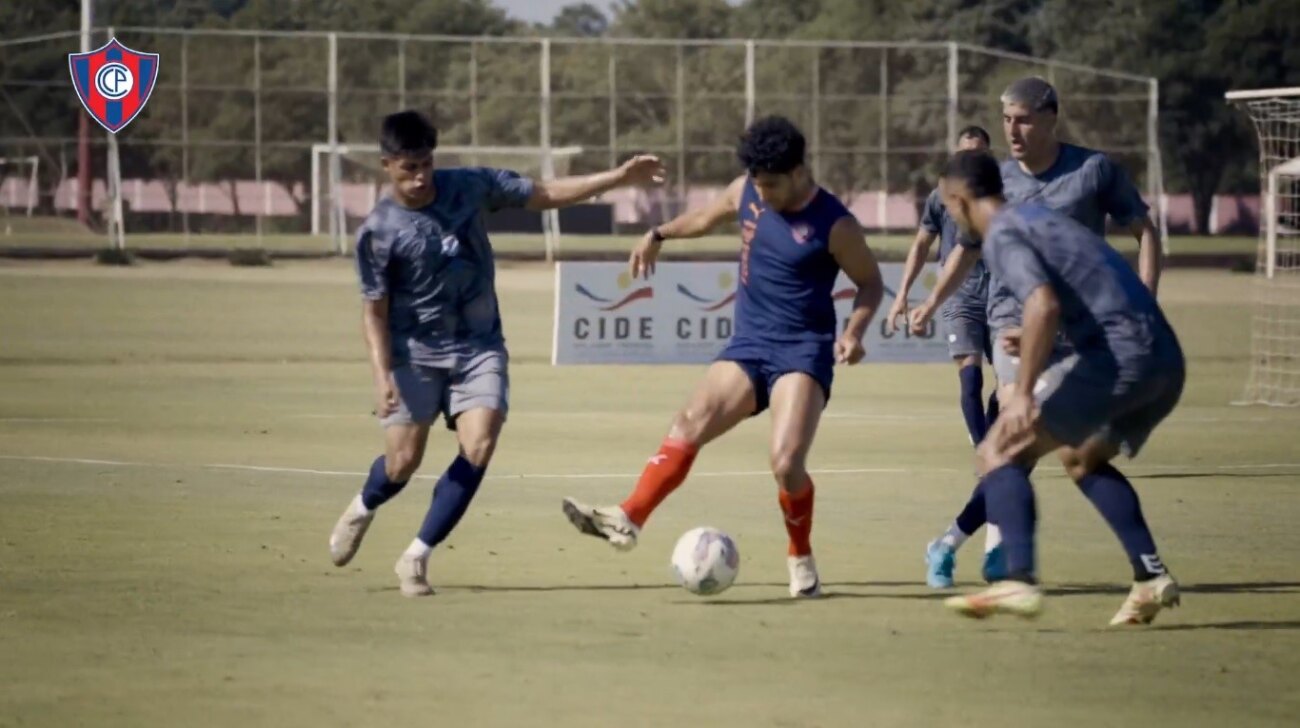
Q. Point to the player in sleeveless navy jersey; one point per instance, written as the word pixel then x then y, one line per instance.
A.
pixel 795 238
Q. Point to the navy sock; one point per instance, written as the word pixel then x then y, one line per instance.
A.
pixel 972 401
pixel 451 497
pixel 992 414
pixel 378 489
pixel 1114 497
pixel 1011 505
pixel 973 516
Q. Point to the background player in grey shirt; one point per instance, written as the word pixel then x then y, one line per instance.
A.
pixel 432 324
pixel 1082 183
pixel 965 321
pixel 1122 377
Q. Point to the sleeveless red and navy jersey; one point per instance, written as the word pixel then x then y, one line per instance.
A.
pixel 786 269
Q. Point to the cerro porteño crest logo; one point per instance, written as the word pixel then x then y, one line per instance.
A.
pixel 113 82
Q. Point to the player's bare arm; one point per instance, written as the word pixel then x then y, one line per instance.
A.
pixel 1150 252
pixel 955 270
pixel 916 257
pixel 690 224
pixel 1042 312
pixel 374 326
pixel 641 170
pixel 849 247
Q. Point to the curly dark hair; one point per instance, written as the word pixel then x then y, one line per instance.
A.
pixel 771 144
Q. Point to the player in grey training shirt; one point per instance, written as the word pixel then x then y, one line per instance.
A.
pixel 965 321
pixel 433 327
pixel 1081 183
pixel 1123 375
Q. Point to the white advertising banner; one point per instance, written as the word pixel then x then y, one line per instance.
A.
pixel 683 315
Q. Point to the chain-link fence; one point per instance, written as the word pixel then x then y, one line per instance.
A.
pixel 222 156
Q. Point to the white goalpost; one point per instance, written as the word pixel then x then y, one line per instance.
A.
pixel 1275 321
pixel 347 180
pixel 18 186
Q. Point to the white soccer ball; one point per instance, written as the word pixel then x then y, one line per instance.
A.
pixel 705 561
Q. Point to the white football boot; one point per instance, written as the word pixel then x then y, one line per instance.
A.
pixel 413 576
pixel 1004 597
pixel 346 537
pixel 607 522
pixel 1146 599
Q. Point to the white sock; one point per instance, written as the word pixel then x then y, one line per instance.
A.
pixel 359 506
pixel 954 537
pixel 992 537
pixel 418 550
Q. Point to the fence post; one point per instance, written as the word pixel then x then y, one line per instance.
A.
pixel 257 135
pixel 335 172
pixel 882 203
pixel 953 90
pixel 550 223
pixel 1155 168
pixel 401 73
pixel 749 82
pixel 185 134
pixel 680 98
pixel 613 105
pixel 816 112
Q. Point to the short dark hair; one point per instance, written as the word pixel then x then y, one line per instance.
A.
pixel 978 169
pixel 407 132
pixel 1033 92
pixel 975 132
pixel 771 144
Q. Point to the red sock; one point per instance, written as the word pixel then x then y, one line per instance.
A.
pixel 798 510
pixel 665 471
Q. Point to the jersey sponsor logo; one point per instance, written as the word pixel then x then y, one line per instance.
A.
pixel 113 83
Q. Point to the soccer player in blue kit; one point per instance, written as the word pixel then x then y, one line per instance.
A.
pixel 1081 183
pixel 432 324
pixel 795 239
pixel 1123 375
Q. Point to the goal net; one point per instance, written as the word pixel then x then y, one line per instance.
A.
pixel 1275 321
pixel 347 180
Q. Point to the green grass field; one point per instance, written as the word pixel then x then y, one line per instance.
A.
pixel 177 439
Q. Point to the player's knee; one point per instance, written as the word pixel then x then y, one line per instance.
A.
pixel 789 470
pixel 401 463
pixel 689 425
pixel 478 449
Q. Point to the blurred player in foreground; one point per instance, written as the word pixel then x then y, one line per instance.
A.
pixel 1122 377
pixel 1087 186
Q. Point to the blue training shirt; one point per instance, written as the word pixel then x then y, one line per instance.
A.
pixel 787 270
pixel 1104 307
pixel 435 265
pixel 1083 184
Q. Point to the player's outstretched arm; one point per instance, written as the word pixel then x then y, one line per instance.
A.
pixel 955 269
pixel 374 326
pixel 916 257
pixel 1150 252
pixel 690 224
pixel 849 247
pixel 643 169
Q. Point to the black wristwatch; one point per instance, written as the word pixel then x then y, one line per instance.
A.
pixel 656 236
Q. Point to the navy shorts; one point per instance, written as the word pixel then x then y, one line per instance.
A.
pixel 965 318
pixel 765 362
pixel 1084 395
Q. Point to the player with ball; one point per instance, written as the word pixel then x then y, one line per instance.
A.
pixel 795 239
